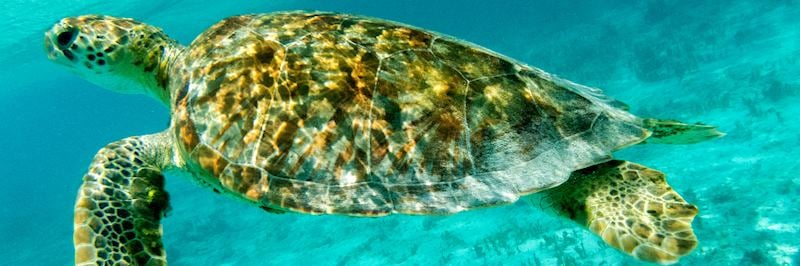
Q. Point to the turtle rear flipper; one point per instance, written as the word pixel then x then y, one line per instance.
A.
pixel 631 207
pixel 120 205
pixel 675 132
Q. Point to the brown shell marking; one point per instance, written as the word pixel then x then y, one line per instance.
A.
pixel 329 113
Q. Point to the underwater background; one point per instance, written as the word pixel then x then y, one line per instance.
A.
pixel 734 64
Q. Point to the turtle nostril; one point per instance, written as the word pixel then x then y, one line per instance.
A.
pixel 65 38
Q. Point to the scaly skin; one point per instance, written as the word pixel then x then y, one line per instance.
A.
pixel 631 207
pixel 121 202
pixel 120 54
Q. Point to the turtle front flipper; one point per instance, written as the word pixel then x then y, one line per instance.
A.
pixel 631 207
pixel 120 204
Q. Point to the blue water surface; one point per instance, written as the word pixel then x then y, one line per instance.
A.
pixel 734 64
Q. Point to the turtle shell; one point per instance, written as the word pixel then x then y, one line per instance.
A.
pixel 332 113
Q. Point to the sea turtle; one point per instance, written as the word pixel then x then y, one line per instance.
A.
pixel 327 113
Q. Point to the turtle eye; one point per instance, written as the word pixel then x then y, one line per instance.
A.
pixel 66 37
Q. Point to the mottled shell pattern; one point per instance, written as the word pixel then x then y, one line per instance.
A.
pixel 332 113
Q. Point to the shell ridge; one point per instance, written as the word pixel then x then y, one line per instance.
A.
pixel 369 117
pixel 465 108
pixel 263 114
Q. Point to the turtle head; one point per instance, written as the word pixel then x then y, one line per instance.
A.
pixel 119 54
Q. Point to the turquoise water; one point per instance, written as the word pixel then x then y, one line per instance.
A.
pixel 734 64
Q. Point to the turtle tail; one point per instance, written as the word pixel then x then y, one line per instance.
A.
pixel 676 132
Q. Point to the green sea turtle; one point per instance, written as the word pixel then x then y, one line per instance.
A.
pixel 327 113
